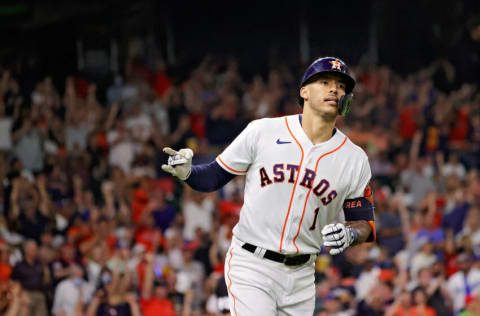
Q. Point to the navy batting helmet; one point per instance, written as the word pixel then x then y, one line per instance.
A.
pixel 331 65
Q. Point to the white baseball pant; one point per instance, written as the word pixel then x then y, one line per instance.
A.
pixel 258 286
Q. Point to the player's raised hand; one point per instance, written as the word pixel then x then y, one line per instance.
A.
pixel 179 162
pixel 338 237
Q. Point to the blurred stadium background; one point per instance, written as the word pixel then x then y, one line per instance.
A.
pixel 91 92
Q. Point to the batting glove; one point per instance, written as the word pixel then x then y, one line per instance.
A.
pixel 179 162
pixel 338 237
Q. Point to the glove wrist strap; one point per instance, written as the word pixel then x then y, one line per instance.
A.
pixel 188 175
pixel 354 235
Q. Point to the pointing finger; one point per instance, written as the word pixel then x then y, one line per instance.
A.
pixel 170 151
pixel 186 152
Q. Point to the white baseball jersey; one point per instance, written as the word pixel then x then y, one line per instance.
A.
pixel 293 187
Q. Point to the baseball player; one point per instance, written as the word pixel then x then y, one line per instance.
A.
pixel 301 173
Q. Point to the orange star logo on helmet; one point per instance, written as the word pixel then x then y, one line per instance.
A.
pixel 336 64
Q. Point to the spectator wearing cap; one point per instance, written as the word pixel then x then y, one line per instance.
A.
pixel 332 304
pixel 33 278
pixel 465 283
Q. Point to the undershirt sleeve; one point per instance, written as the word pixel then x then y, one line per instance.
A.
pixel 208 177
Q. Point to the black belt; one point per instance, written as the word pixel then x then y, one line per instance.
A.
pixel 278 257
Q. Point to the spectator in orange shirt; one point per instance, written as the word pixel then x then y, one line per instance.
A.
pixel 401 305
pixel 420 307
pixel 154 299
pixel 146 233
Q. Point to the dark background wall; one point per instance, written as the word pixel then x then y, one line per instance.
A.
pixel 407 35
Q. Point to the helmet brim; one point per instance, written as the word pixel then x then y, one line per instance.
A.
pixel 349 82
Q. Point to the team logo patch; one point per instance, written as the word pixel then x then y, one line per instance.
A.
pixel 336 64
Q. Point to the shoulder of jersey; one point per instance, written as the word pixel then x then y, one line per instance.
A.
pixel 357 150
pixel 267 125
pixel 268 121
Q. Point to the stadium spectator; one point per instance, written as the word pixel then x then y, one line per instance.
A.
pixel 154 299
pixel 465 283
pixel 33 277
pixel 71 293
pixel 419 306
pixel 82 178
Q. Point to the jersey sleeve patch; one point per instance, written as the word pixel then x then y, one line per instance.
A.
pixel 362 209
pixel 358 209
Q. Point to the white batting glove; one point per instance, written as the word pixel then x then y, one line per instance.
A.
pixel 338 237
pixel 179 162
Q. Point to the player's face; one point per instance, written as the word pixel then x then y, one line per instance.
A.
pixel 323 94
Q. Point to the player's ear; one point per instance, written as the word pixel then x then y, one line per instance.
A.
pixel 304 93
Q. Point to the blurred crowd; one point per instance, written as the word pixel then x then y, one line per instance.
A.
pixel 90 224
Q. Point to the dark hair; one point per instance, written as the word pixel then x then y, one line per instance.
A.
pixel 416 290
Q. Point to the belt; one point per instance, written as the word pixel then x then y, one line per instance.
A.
pixel 278 257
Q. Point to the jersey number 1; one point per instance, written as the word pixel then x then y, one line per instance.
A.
pixel 315 219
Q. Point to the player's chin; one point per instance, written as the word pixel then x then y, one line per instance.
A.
pixel 330 110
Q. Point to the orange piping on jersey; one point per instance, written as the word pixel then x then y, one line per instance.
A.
pixel 230 282
pixel 294 185
pixel 309 191
pixel 228 167
pixel 374 232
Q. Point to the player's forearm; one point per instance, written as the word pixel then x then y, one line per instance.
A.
pixel 208 177
pixel 363 228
